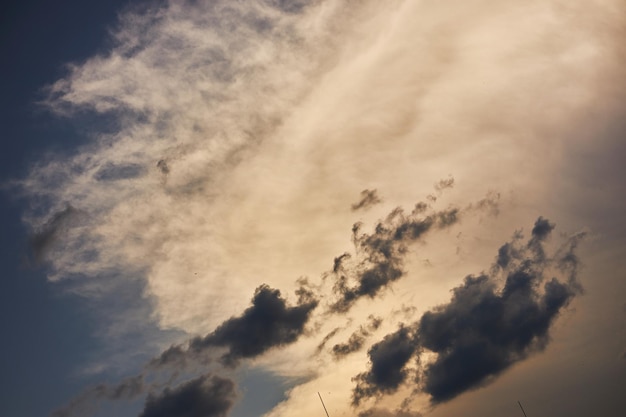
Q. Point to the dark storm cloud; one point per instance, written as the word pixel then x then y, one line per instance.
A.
pixel 129 388
pixel 371 282
pixel 382 412
pixel 357 339
pixel 42 241
pixel 481 333
pixel 382 253
pixel 268 323
pixel 368 199
pixel 354 343
pixel 206 396
pixel 504 255
pixel 540 233
pixel 542 229
pixel 116 172
pixel 388 359
pixel 484 329
pixel 174 356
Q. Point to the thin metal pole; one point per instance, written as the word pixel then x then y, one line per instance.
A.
pixel 318 393
pixel 520 406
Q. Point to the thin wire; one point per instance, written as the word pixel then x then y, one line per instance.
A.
pixel 318 393
pixel 520 406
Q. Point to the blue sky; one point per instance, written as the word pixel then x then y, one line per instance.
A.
pixel 412 208
pixel 48 331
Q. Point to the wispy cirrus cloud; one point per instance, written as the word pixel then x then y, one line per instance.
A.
pixel 187 90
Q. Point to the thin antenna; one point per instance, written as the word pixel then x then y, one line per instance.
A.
pixel 318 393
pixel 520 406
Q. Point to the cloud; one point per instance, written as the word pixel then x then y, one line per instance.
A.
pixel 368 199
pixel 440 187
pixel 326 338
pixel 357 339
pixel 481 333
pixel 83 404
pixel 185 92
pixel 271 323
pixel 268 323
pixel 290 6
pixel 205 396
pixel 238 134
pixel 53 231
pixel 483 329
pixel 382 412
pixel 116 172
pixel 444 183
pixel 382 253
pixel 388 359
pixel 541 231
pixel 339 261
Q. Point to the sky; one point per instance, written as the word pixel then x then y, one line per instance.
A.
pixel 219 208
